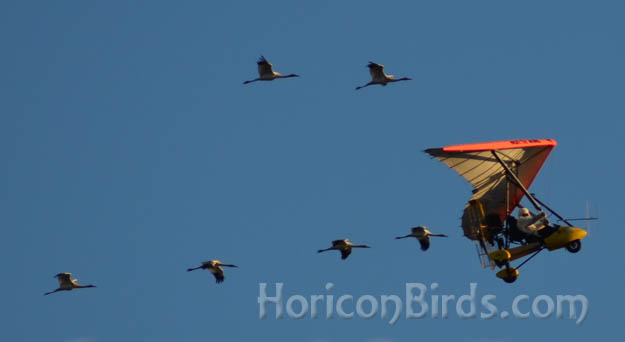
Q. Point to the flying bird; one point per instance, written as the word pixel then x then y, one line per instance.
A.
pixel 423 235
pixel 67 284
pixel 379 77
pixel 344 246
pixel 214 267
pixel 266 73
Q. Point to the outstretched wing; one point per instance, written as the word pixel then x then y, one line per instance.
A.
pixel 64 279
pixel 218 273
pixel 376 71
pixel 345 253
pixel 420 230
pixel 338 243
pixel 477 164
pixel 264 67
pixel 425 243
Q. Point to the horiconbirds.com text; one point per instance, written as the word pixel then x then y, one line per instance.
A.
pixel 418 302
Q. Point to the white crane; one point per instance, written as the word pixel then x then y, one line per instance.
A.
pixel 66 283
pixel 379 77
pixel 214 267
pixel 266 73
pixel 344 246
pixel 423 235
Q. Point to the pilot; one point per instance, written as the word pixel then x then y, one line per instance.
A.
pixel 531 224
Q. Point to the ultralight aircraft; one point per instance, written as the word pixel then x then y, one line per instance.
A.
pixel 501 172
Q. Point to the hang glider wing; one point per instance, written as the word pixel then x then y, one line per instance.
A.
pixel 478 165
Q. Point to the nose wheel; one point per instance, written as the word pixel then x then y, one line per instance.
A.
pixel 574 246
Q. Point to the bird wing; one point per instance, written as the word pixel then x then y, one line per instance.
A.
pixel 338 243
pixel 376 71
pixel 345 253
pixel 264 67
pixel 218 273
pixel 210 263
pixel 418 230
pixel 425 243
pixel 64 278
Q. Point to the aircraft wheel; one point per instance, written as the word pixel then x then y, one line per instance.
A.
pixel 574 246
pixel 510 279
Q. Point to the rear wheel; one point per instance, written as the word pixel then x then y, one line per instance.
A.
pixel 510 279
pixel 508 274
pixel 574 246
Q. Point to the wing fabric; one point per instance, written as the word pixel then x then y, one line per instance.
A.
pixel 477 164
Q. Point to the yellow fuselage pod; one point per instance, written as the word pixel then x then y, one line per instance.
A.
pixel 503 255
pixel 563 236
pixel 557 239
pixel 508 273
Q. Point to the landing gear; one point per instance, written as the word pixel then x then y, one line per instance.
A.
pixel 500 257
pixel 510 279
pixel 574 246
pixel 508 274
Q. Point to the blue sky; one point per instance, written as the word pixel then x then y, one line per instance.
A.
pixel 131 151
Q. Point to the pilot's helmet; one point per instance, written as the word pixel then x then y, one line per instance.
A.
pixel 524 212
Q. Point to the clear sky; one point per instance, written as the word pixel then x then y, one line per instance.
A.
pixel 131 151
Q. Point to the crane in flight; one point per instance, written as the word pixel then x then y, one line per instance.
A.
pixel 66 283
pixel 423 235
pixel 214 267
pixel 379 77
pixel 344 246
pixel 266 73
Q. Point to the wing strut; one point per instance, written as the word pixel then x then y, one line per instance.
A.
pixel 516 181
pixel 528 259
pixel 553 212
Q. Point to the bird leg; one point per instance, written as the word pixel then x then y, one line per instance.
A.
pixel 366 85
pixel 250 81
pixel 51 292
